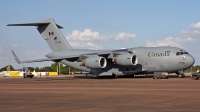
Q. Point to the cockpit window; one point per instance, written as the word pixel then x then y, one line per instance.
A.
pixel 178 53
pixel 181 53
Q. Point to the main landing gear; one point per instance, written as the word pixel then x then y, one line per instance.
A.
pixel 113 76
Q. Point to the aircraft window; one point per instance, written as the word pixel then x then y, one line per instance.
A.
pixel 181 53
pixel 178 53
pixel 185 53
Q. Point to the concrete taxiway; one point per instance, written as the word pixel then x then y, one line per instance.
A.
pixel 82 94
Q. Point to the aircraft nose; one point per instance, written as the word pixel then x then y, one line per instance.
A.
pixel 191 60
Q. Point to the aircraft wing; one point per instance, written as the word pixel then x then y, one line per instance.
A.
pixel 48 59
pixel 71 57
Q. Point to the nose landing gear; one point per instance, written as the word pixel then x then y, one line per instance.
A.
pixel 180 74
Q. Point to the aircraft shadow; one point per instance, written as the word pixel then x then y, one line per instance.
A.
pixel 106 77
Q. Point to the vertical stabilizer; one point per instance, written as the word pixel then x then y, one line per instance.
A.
pixel 50 33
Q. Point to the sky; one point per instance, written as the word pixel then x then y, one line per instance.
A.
pixel 99 24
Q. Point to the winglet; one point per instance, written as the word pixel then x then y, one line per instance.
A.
pixel 15 56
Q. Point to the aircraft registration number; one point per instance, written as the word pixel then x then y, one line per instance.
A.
pixel 181 63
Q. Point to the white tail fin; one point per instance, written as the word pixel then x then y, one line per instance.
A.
pixel 51 34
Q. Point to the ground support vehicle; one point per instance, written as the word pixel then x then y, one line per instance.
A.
pixel 27 72
pixel 160 75
pixel 195 76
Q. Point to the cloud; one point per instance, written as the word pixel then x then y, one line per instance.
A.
pixel 125 36
pixel 115 25
pixel 197 25
pixel 89 35
pixel 83 40
pixel 86 35
pixel 15 45
pixel 78 39
pixel 84 45
pixel 162 43
pixel 178 39
pixel 170 41
pixel 193 33
pixel 185 36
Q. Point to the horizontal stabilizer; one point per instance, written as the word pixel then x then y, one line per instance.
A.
pixel 33 24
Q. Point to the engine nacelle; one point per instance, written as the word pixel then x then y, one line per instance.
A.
pixel 126 59
pixel 94 62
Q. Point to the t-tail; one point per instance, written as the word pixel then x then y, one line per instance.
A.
pixel 51 34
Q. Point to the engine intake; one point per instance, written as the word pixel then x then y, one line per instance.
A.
pixel 94 62
pixel 126 60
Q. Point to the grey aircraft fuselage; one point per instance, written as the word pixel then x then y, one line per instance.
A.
pixel 137 60
pixel 150 59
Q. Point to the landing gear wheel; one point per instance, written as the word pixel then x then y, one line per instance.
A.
pixel 24 76
pixel 194 77
pixel 181 75
pixel 113 76
pixel 98 77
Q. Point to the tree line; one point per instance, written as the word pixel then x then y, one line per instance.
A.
pixel 63 69
pixel 55 67
pixel 192 69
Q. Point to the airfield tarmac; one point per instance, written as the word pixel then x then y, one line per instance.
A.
pixel 82 94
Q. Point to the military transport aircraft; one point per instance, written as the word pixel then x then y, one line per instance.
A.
pixel 137 60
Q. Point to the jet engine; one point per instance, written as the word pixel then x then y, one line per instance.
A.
pixel 94 62
pixel 126 59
